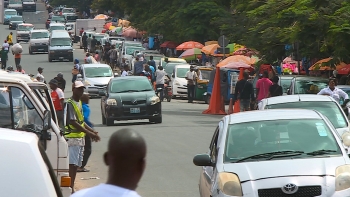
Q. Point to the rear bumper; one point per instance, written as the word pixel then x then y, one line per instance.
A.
pixel 123 112
pixel 23 38
pixel 60 56
pixel 39 48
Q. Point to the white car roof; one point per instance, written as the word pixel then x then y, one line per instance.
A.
pixel 39 30
pixel 296 98
pixel 273 114
pixel 57 24
pixel 10 10
pixel 343 86
pixel 32 178
pixel 95 65
pixel 182 66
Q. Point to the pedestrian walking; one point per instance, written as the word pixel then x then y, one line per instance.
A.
pixel 20 69
pixel 75 70
pixel 93 45
pixel 76 129
pixel 125 71
pixel 40 77
pixel 125 168
pixel 262 87
pixel 97 57
pixel 138 67
pixel 10 39
pixel 84 39
pixel 18 57
pixel 275 89
pixel 61 81
pixel 89 39
pixel 6 46
pixel 160 74
pixel 244 92
pixel 57 96
pixel 4 58
pixel 81 32
pixel 112 56
pixel 151 62
pixel 87 148
pixel 106 49
pixel 191 78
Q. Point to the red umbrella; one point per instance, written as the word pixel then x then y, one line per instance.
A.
pixel 345 70
pixel 169 44
pixel 238 65
pixel 189 45
pixel 132 33
pixel 108 25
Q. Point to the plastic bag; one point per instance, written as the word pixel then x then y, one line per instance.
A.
pixel 17 48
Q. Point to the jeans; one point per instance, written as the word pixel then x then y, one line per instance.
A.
pixel 161 92
pixel 17 61
pixel 60 116
pixel 3 64
pixel 87 151
pixel 190 93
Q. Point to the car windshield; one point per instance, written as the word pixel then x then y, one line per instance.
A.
pixel 38 35
pixel 93 72
pixel 60 42
pixel 28 0
pixel 15 1
pixel 58 18
pixel 99 37
pixel 205 74
pixel 117 38
pixel 177 61
pixel 57 28
pixel 327 108
pixel 181 72
pixel 71 18
pixel 279 139
pixel 309 86
pixel 25 28
pixel 11 13
pixel 131 50
pixel 285 83
pixel 136 44
pixel 126 84
pixel 16 18
pixel 169 67
pixel 67 10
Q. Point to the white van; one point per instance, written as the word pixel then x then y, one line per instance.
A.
pixel 60 46
pixel 25 105
pixel 26 171
pixel 178 80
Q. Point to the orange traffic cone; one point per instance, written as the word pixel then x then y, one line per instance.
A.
pixel 230 107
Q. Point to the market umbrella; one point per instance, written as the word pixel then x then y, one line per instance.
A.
pixel 191 54
pixel 131 33
pixel 210 43
pixel 327 64
pixel 169 44
pixel 111 27
pixel 101 16
pixel 227 53
pixel 237 58
pixel 237 47
pixel 108 25
pixel 238 65
pixel 210 49
pixel 189 45
pixel 344 70
pixel 245 51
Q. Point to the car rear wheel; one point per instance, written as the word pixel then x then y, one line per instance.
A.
pixel 156 120
pixel 109 122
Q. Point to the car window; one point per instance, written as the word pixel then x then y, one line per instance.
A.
pixel 60 42
pixel 205 74
pixel 131 50
pixel 11 13
pixel 57 28
pixel 253 138
pixel 25 28
pixel 327 108
pixel 169 67
pixel 285 84
pixel 58 18
pixel 309 86
pixel 181 72
pixel 16 18
pixel 131 85
pixel 92 72
pixel 213 146
pixel 39 35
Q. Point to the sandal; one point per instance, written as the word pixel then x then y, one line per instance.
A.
pixel 83 170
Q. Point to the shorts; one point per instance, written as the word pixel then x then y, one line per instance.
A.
pixel 76 154
pixel 244 104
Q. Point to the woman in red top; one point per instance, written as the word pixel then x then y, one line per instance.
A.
pixel 57 96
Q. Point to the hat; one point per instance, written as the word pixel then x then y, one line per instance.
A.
pixel 60 75
pixel 53 81
pixel 78 84
pixel 76 60
pixel 40 68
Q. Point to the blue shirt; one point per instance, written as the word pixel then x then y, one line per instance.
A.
pixel 86 111
pixel 152 72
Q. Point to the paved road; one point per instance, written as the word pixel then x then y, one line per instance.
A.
pixel 171 145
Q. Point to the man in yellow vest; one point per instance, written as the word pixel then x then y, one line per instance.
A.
pixel 76 129
pixel 9 39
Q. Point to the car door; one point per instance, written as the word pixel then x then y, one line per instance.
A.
pixel 208 174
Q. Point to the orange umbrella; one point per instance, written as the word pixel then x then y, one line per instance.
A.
pixel 101 16
pixel 210 49
pixel 237 58
pixel 108 25
pixel 239 65
pixel 189 45
pixel 132 33
pixel 210 42
pixel 326 64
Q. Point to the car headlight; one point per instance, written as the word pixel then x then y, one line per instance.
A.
pixel 86 83
pixel 111 102
pixel 154 100
pixel 342 177
pixel 177 83
pixel 229 184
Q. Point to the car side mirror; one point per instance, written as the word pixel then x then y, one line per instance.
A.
pixel 79 76
pixel 47 120
pixel 202 160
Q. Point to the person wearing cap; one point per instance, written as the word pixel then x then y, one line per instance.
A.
pixel 75 130
pixel 4 58
pixel 20 70
pixel 61 81
pixel 191 78
pixel 57 96
pixel 40 77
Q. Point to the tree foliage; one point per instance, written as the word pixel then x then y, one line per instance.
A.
pixel 321 28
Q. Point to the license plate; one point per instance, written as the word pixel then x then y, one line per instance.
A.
pixel 61 58
pixel 40 49
pixel 134 110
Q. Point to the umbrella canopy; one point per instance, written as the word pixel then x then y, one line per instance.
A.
pixel 210 49
pixel 108 25
pixel 237 47
pixel 245 51
pixel 237 58
pixel 111 27
pixel 344 70
pixel 189 45
pixel 131 33
pixel 191 54
pixel 327 64
pixel 238 65
pixel 169 44
pixel 101 16
pixel 210 43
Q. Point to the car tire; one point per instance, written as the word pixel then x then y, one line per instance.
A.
pixel 109 122
pixel 156 120
pixel 30 52
pixel 207 99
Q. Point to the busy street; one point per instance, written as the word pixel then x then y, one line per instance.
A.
pixel 171 145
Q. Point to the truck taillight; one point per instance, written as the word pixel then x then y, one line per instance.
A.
pixel 65 181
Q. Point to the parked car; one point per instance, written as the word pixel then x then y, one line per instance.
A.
pixel 36 176
pixel 8 13
pixel 95 77
pixel 307 85
pixel 178 81
pixel 23 31
pixel 130 98
pixel 14 21
pixel 56 26
pixel 39 41
pixel 293 152
pixel 58 19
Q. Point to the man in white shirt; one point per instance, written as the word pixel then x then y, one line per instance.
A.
pixel 334 92
pixel 125 71
pixel 160 74
pixel 125 168
pixel 191 77
pixel 6 46
pixel 40 77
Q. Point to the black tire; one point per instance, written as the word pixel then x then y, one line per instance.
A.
pixel 207 99
pixel 157 120
pixel 109 122
pixel 168 99
pixel 30 52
